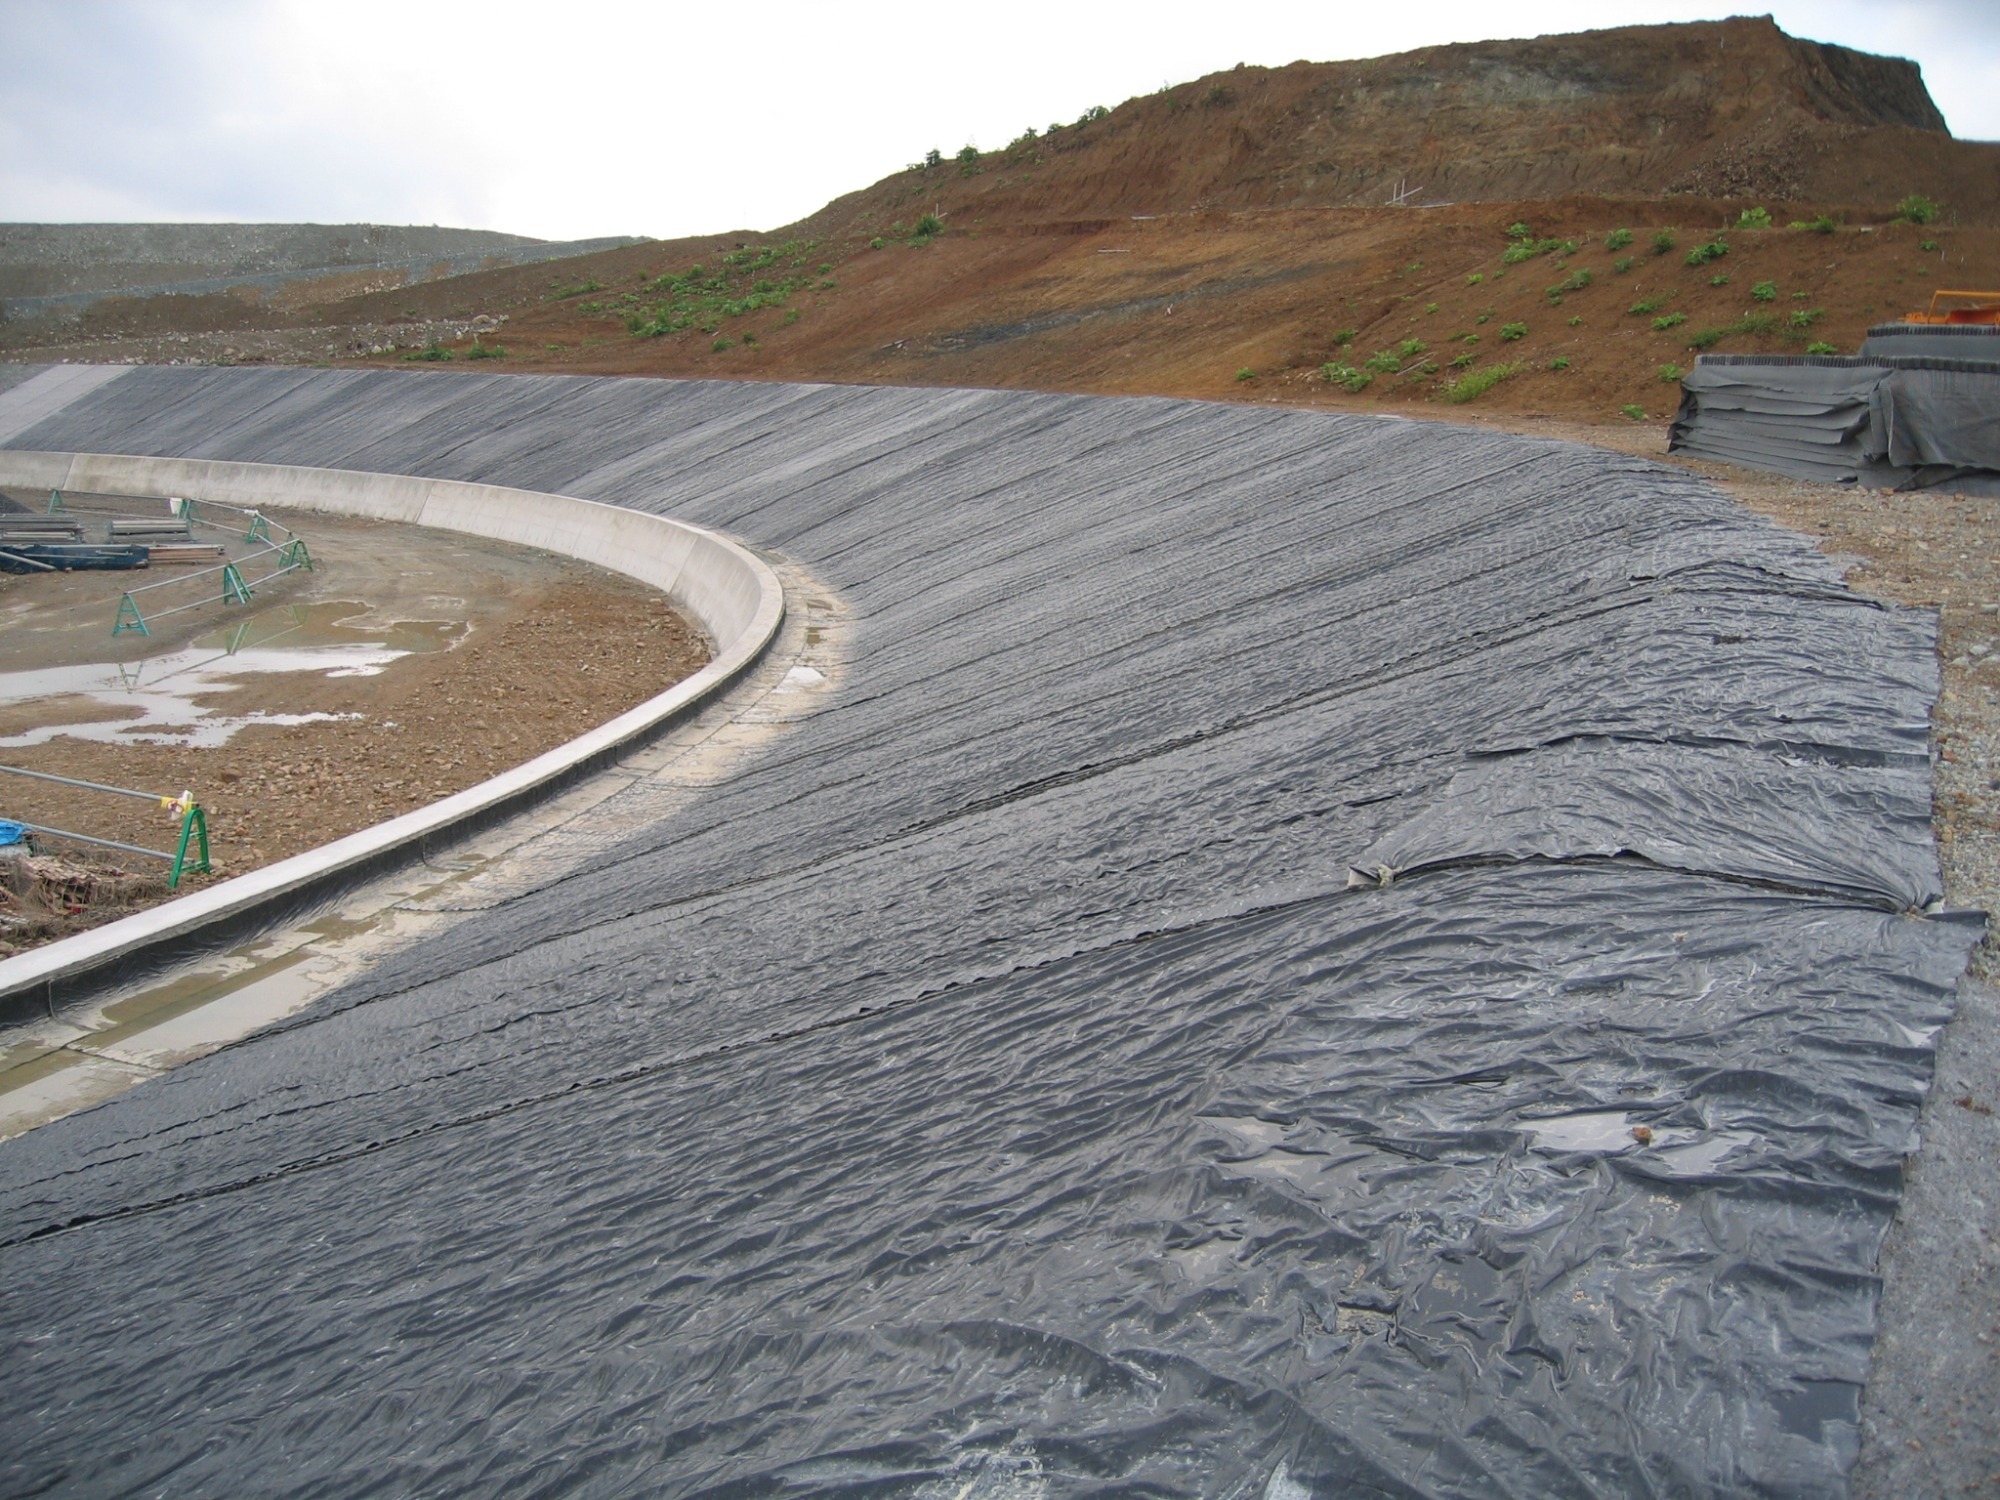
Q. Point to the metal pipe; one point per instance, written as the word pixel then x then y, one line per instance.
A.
pixel 179 578
pixel 84 838
pixel 122 791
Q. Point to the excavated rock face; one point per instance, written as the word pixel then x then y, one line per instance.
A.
pixel 1859 88
pixel 1722 108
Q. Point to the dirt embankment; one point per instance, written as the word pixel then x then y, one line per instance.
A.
pixel 1726 108
pixel 40 260
pixel 1586 325
pixel 1239 222
pixel 1595 311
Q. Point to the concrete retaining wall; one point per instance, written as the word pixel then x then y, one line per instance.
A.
pixel 729 592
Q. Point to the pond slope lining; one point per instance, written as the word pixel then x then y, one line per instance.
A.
pixel 1180 1018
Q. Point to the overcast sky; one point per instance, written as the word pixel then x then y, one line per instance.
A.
pixel 570 121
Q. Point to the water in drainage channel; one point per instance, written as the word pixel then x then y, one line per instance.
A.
pixel 92 1052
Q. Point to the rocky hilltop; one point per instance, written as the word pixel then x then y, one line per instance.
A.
pixel 1726 108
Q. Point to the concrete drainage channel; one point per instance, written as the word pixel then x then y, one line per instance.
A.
pixel 77 1053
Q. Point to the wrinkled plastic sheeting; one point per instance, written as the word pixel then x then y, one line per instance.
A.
pixel 1301 955
pixel 1886 421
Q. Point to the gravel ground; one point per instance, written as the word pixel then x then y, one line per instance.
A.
pixel 1927 1426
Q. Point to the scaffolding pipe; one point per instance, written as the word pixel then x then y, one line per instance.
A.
pixel 94 786
pixel 85 838
pixel 193 821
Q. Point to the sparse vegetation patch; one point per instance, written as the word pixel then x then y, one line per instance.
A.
pixel 1576 281
pixel 1524 250
pixel 1757 324
pixel 1478 383
pixel 704 299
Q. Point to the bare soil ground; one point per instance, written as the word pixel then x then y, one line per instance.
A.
pixel 536 650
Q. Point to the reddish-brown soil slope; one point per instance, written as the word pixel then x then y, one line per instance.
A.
pixel 1184 304
pixel 1230 238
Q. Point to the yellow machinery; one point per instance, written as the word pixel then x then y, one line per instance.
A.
pixel 1974 308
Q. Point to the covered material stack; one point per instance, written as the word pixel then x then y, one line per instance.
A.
pixel 1917 408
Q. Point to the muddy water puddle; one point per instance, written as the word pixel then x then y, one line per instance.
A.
pixel 167 699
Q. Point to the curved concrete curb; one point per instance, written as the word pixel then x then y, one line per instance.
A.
pixel 734 596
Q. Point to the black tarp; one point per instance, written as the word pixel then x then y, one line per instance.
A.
pixel 1885 421
pixel 1968 341
pixel 1173 1023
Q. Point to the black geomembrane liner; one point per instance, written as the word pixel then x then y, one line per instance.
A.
pixel 1300 954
